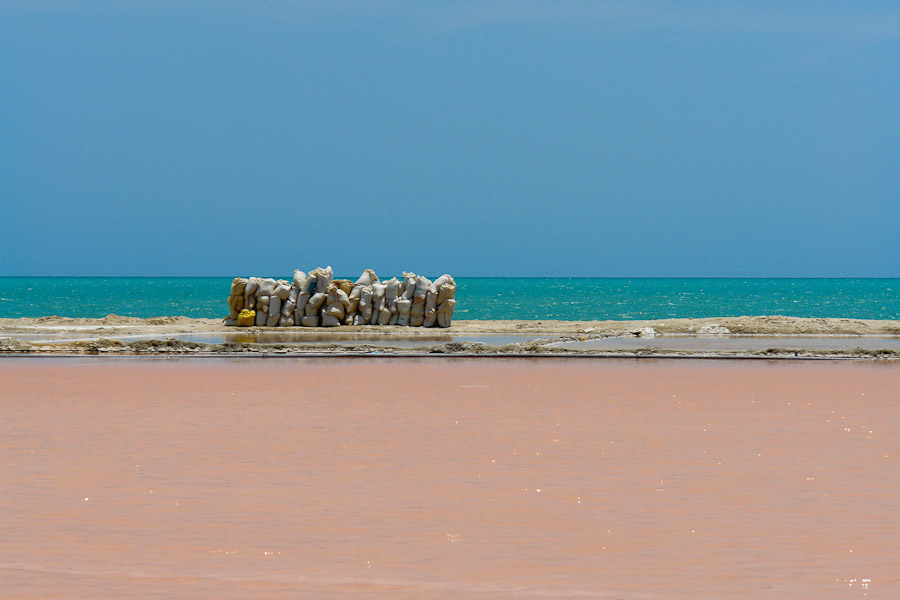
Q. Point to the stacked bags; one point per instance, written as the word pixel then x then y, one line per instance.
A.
pixel 317 299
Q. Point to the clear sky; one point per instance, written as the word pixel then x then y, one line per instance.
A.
pixel 527 138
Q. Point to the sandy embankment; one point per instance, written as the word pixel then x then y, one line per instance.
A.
pixel 61 335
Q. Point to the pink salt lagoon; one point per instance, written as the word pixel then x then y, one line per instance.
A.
pixel 440 478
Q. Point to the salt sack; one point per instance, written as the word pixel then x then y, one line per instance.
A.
pixel 323 279
pixel 299 311
pixel 377 303
pixel 430 301
pixel 314 303
pixel 446 290
pixel 266 287
pixel 273 315
pixel 367 278
pixel 308 321
pixel 250 293
pixel 299 279
pixel 352 305
pixel 409 285
pixel 330 321
pixel 252 286
pixel 345 285
pixel 287 314
pixel 445 312
pixel 274 306
pixel 417 311
pixel 247 318
pixel 322 285
pixel 336 303
pixel 391 293
pixel 282 290
pixel 403 306
pixel 354 298
pixel 430 309
pixel 310 283
pixel 289 306
pixel 236 298
pixel 445 278
pixel 422 285
pixel 262 310
pixel 364 314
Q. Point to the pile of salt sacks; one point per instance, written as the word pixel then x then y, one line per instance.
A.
pixel 317 299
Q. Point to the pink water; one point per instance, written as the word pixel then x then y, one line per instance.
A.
pixel 449 479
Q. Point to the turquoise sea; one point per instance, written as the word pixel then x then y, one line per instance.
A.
pixel 484 298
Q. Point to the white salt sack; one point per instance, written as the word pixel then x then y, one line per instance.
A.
pixel 287 310
pixel 274 312
pixel 299 279
pixel 311 283
pixel 367 278
pixel 266 287
pixel 391 293
pixel 282 290
pixel 377 302
pixel 330 321
pixel 299 310
pixel 354 298
pixel 422 285
pixel 250 293
pixel 314 303
pixel 445 312
pixel 409 285
pixel 403 306
pixel 430 301
pixel 365 305
pixel 445 278
pixel 323 279
pixel 262 310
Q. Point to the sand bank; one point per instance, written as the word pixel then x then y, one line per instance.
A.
pixel 183 335
pixel 504 479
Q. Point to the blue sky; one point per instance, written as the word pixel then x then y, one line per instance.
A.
pixel 488 138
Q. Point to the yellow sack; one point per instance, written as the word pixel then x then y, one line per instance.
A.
pixel 247 318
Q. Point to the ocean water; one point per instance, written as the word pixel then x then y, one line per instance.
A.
pixel 484 297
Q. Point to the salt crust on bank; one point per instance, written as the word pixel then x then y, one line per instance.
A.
pixel 161 328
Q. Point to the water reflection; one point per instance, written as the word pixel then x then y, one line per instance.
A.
pixel 300 338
